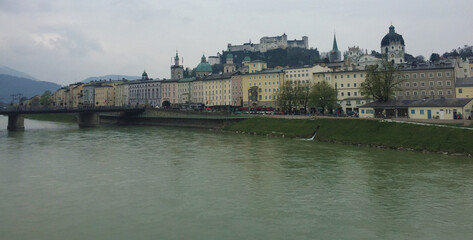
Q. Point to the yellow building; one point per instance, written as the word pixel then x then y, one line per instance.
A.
pixel 348 86
pixel 303 74
pixel 104 95
pixel 59 97
pixel 260 88
pixel 464 87
pixel 122 94
pixel 169 92
pixel 217 89
pixel 257 66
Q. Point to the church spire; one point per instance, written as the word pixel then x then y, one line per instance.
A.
pixel 335 46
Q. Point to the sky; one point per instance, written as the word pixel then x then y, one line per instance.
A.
pixel 66 41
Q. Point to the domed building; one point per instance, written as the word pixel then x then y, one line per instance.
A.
pixel 144 76
pixel 203 69
pixel 392 46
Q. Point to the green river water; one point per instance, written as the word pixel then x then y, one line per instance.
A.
pixel 61 182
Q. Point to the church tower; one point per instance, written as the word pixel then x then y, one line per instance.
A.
pixel 229 66
pixel 392 46
pixel 335 55
pixel 177 71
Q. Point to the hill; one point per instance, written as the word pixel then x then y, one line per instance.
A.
pixel 292 57
pixel 28 87
pixel 15 73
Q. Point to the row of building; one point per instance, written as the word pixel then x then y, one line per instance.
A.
pixel 254 84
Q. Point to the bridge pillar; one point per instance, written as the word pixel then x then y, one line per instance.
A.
pixel 88 119
pixel 16 122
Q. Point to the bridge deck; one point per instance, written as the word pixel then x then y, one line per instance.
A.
pixel 69 110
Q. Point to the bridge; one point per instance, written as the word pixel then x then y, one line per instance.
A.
pixel 87 117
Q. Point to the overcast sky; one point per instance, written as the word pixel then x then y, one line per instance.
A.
pixel 65 41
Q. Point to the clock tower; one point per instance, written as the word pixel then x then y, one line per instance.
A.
pixel 392 47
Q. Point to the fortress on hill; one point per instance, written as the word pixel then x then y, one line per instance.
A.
pixel 270 43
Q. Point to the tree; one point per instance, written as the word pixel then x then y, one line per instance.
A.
pixel 435 57
pixel 286 97
pixel 323 95
pixel 381 82
pixel 46 98
pixel 420 59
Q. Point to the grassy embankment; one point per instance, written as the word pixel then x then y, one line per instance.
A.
pixel 65 118
pixel 365 132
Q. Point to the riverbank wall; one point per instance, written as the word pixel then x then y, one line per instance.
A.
pixel 373 133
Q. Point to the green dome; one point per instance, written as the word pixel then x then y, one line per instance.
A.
pixel 203 67
pixel 247 59
pixel 229 55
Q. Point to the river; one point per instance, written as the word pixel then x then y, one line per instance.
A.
pixel 134 182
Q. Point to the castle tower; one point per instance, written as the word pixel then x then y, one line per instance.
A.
pixel 392 46
pixel 177 71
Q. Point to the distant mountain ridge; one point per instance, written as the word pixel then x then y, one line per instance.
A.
pixel 15 73
pixel 28 87
pixel 111 76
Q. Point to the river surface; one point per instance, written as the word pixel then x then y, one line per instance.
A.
pixel 61 182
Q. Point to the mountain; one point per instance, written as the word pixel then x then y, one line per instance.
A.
pixel 12 72
pixel 111 76
pixel 26 86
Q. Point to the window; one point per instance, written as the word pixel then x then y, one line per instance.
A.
pixel 439 83
pixel 354 84
pixel 422 84
pixel 354 75
pixel 447 74
pixel 361 74
pixel 421 112
pixel 362 111
pixel 423 93
pixel 414 93
pixel 413 111
pixel 449 92
pixel 408 84
pixel 414 84
pixel 408 93
pixel 348 75
pixel 348 94
pixel 460 90
pixel 431 93
pixel 343 94
pixel 407 76
pixel 355 93
pixel 414 75
pixel 348 85
pixel 431 83
pixel 439 74
pixel 440 92
pixel 341 85
pixel 448 83
pixel 431 75
pixel 422 75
